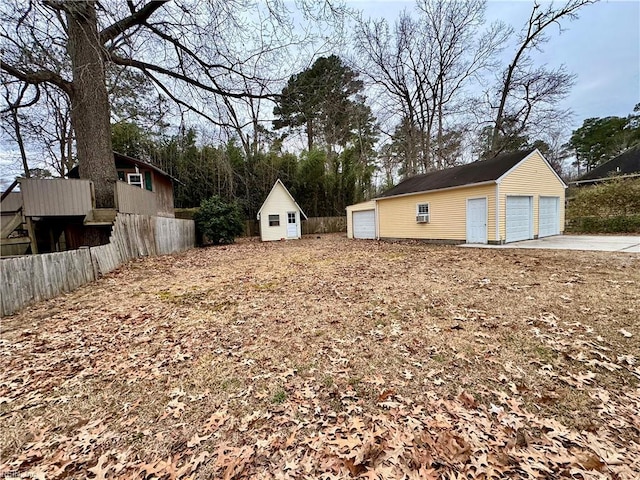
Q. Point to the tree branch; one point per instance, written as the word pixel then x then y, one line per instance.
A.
pixel 136 18
pixel 35 78
pixel 146 67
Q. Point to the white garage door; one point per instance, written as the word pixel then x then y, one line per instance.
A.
pixel 548 216
pixel 519 219
pixel 364 224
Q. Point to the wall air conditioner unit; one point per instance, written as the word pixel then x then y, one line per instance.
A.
pixel 422 218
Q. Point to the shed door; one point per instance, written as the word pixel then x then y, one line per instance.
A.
pixel 477 220
pixel 549 216
pixel 519 218
pixel 364 224
pixel 292 225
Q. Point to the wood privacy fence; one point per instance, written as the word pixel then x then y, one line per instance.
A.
pixel 37 277
pixel 132 199
pixel 315 225
pixel 310 226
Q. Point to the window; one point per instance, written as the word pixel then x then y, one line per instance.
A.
pixel 274 220
pixel 135 179
pixel 422 213
pixel 291 217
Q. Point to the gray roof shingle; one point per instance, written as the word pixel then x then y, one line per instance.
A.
pixel 625 163
pixel 470 173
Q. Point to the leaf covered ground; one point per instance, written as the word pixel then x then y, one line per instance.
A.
pixel 328 358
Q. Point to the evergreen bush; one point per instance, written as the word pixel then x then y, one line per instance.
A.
pixel 218 222
pixel 611 207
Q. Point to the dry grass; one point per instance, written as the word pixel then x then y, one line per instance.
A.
pixel 328 358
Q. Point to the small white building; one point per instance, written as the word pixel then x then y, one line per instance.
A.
pixel 280 216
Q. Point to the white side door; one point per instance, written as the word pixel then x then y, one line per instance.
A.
pixel 477 220
pixel 292 225
pixel 548 216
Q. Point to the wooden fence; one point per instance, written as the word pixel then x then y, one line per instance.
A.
pixel 315 225
pixel 33 278
pixel 310 226
pixel 56 196
pixel 132 199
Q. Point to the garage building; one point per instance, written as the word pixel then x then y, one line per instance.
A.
pixel 512 197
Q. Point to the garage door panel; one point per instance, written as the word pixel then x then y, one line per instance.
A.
pixel 548 216
pixel 364 224
pixel 518 219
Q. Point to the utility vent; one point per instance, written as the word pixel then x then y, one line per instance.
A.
pixel 422 218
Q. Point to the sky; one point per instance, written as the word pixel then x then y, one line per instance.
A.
pixel 601 47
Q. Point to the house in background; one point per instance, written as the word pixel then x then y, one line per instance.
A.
pixel 625 165
pixel 49 215
pixel 146 176
pixel 512 197
pixel 280 216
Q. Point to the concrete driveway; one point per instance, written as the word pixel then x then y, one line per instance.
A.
pixel 603 243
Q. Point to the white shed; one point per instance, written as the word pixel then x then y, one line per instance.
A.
pixel 280 216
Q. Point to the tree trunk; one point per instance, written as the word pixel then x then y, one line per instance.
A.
pixel 90 114
pixel 309 134
pixel 506 89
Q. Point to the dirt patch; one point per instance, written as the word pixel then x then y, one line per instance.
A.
pixel 329 358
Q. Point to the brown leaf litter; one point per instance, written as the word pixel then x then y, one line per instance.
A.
pixel 328 358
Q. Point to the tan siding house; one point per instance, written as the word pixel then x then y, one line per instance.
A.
pixel 509 198
pixel 280 216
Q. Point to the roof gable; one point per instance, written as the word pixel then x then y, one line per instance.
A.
pixel 625 163
pixel 279 184
pixel 548 165
pixel 469 174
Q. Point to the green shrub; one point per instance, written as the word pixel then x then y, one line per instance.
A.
pixel 619 197
pixel 218 221
pixel 611 207
pixel 617 224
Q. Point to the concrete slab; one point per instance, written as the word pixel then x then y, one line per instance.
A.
pixel 602 243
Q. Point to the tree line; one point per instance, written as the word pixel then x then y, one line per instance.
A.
pixel 425 91
pixel 204 170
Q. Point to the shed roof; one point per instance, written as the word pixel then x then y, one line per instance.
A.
pixel 626 163
pixel 468 174
pixel 279 182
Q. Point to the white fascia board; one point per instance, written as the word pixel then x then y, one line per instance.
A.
pixel 422 192
pixel 293 199
pixel 278 181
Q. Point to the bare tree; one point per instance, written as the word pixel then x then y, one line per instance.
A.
pixel 425 64
pixel 186 48
pixel 461 54
pixel 529 95
pixel 13 127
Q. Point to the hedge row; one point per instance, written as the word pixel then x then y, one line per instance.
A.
pixel 617 224
pixel 612 207
pixel 614 198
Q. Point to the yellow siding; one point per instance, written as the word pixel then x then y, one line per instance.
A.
pixel 448 209
pixel 278 202
pixel 535 178
pixel 358 207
